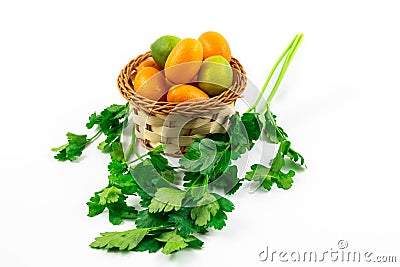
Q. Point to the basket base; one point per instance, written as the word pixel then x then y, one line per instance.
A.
pixel 176 131
pixel 178 154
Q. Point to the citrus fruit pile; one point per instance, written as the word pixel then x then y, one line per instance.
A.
pixel 187 69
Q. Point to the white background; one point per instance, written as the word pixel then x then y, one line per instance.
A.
pixel 59 61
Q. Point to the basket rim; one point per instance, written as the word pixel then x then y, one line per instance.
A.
pixel 125 86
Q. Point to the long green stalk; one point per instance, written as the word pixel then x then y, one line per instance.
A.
pixel 132 147
pixel 295 46
pixel 288 55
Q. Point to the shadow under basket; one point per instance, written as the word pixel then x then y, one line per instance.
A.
pixel 176 124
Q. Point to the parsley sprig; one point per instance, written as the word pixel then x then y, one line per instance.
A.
pixel 179 203
pixel 110 123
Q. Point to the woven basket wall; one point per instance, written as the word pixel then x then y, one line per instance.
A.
pixel 176 124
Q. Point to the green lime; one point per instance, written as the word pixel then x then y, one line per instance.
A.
pixel 215 75
pixel 161 48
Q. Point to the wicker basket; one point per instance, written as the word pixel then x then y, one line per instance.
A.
pixel 176 124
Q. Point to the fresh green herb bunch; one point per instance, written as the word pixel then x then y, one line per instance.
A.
pixel 171 217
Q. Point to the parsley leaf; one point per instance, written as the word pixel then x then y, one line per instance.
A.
pixel 184 223
pixel 194 242
pixel 95 208
pixel 167 199
pixel 207 207
pixel 174 241
pixel 253 125
pixel 73 149
pixel 267 177
pixel 109 195
pixel 259 173
pixel 116 167
pixel 285 180
pixel 236 187
pixel 124 182
pixel 205 158
pixel 114 200
pixel 120 210
pixel 111 121
pixel 228 180
pixel 126 240
pixel 275 134
pixel 238 137
pixel 147 219
pixel 200 156
pixel 160 163
pixel 145 197
pixel 224 203
pixel 295 156
pixel 150 244
pixel 218 220
pixel 148 178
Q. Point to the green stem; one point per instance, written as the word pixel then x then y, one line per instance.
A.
pixel 88 142
pixel 132 147
pixel 196 180
pixel 55 149
pixel 270 76
pixel 93 138
pixel 206 180
pixel 138 158
pixel 288 54
pixel 203 183
pixel 272 120
pixel 155 228
pixel 289 57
